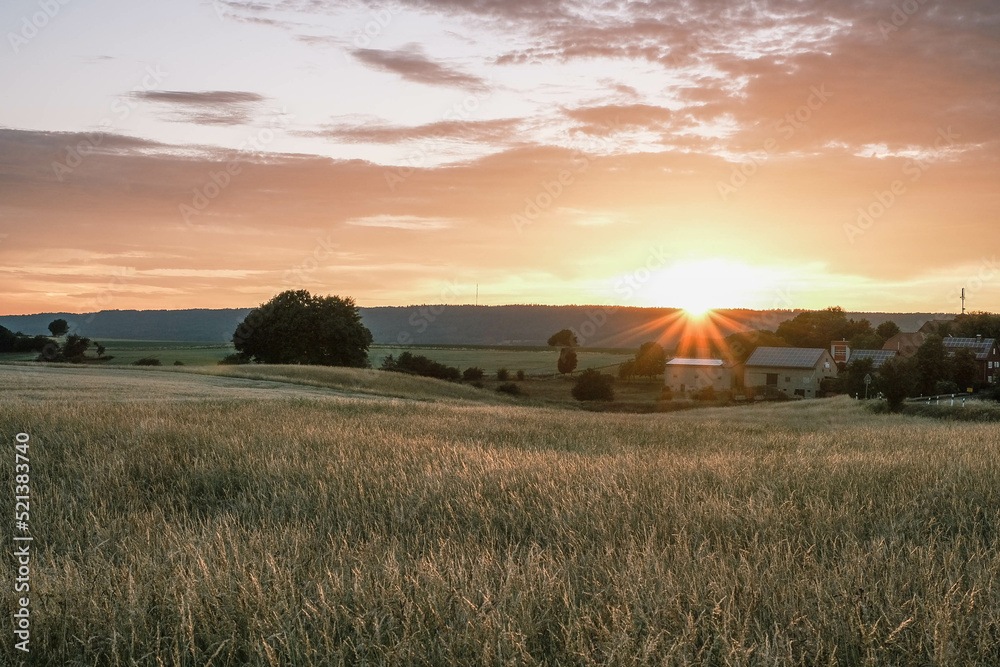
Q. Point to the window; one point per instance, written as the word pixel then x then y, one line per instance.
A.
pixel 788 379
pixel 772 379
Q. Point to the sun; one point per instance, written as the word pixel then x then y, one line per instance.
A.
pixel 699 286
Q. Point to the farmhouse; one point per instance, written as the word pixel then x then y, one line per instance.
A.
pixel 795 371
pixel 683 375
pixel 987 355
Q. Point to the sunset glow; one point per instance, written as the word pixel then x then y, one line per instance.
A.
pixel 696 155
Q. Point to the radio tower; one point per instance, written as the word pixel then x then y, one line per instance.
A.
pixel 963 301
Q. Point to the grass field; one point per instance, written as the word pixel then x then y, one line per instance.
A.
pixel 533 361
pixel 299 517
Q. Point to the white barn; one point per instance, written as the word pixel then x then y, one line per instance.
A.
pixel 684 375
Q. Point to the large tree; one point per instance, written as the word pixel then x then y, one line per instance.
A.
pixel 896 380
pixel 817 328
pixel 650 360
pixel 932 364
pixel 297 328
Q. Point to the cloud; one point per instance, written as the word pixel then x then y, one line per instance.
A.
pixel 214 107
pixel 408 222
pixel 413 65
pixel 375 132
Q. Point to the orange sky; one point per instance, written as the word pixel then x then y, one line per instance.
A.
pixel 793 154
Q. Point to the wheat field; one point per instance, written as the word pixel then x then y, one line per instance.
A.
pixel 209 520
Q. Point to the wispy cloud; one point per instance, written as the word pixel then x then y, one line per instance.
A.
pixel 413 65
pixel 407 222
pixel 213 107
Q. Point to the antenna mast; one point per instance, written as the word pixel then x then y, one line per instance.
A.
pixel 963 301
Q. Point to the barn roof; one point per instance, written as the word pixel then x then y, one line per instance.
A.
pixel 682 361
pixel 981 346
pixel 786 357
pixel 878 357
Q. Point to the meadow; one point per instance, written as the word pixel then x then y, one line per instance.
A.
pixel 324 516
pixel 532 360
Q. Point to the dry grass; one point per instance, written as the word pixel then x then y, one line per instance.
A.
pixel 319 530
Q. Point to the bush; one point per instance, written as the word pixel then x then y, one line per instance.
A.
pixel 510 388
pixel 705 394
pixel 178 363
pixel 472 374
pixel 503 375
pixel 233 360
pixel 478 385
pixel 594 386
pixel 945 387
pixel 147 361
pixel 520 376
pixel 666 394
pixel 416 364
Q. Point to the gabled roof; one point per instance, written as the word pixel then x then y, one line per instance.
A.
pixel 682 361
pixel 905 343
pixel 981 346
pixel 786 357
pixel 878 357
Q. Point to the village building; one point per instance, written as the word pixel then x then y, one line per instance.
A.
pixel 878 357
pixel 987 355
pixel 794 371
pixel 683 375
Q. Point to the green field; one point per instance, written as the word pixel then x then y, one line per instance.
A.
pixel 532 360
pixel 303 516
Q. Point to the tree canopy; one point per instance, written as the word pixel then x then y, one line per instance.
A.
pixel 296 327
pixel 564 338
pixel 59 327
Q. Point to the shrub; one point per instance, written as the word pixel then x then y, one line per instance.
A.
pixel 477 384
pixel 416 364
pixel 503 375
pixel 666 394
pixel 520 376
pixel 233 359
pixel 147 361
pixel 945 387
pixel 705 394
pixel 510 388
pixel 472 374
pixel 178 363
pixel 594 386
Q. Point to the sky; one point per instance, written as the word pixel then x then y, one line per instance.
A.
pixel 769 154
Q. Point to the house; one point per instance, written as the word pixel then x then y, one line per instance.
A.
pixel 905 344
pixel 840 350
pixel 878 357
pixel 987 356
pixel 684 375
pixel 795 371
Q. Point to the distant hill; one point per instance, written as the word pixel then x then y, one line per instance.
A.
pixel 598 326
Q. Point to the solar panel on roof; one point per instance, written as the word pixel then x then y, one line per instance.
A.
pixel 785 357
pixel 878 357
